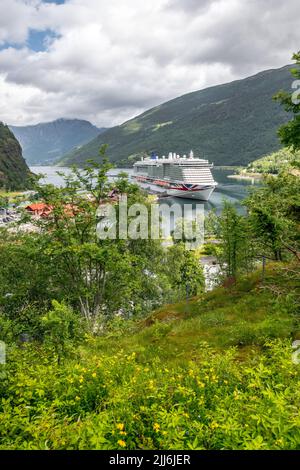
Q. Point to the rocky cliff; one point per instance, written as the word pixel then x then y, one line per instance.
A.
pixel 13 168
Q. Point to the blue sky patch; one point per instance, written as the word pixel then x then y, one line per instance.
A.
pixel 58 2
pixel 39 40
pixel 6 45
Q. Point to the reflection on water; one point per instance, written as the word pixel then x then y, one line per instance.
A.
pixel 228 189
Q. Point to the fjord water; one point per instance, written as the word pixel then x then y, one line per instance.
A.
pixel 228 189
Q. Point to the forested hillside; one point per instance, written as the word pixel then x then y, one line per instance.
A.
pixel 284 159
pixel 13 168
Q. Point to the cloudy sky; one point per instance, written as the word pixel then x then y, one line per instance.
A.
pixel 109 60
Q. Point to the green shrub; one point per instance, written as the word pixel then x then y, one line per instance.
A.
pixel 61 327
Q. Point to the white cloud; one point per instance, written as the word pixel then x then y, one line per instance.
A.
pixel 114 59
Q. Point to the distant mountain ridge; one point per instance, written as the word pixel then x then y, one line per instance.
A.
pixel 13 169
pixel 44 143
pixel 230 124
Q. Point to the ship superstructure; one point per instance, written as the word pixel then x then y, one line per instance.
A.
pixel 186 177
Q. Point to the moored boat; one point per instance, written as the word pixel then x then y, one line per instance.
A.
pixel 186 177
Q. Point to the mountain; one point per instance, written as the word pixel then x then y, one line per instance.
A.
pixel 44 143
pixel 229 124
pixel 13 168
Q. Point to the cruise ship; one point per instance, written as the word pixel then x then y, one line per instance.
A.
pixel 186 177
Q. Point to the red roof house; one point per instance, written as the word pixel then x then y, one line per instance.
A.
pixel 39 209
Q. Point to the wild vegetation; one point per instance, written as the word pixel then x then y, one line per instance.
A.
pixel 284 159
pixel 65 260
pixel 216 373
pixel 289 133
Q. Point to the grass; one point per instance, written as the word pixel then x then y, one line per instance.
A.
pixel 12 196
pixel 245 316
pixel 213 373
pixel 10 193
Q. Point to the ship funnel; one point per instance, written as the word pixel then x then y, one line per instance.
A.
pixel 191 154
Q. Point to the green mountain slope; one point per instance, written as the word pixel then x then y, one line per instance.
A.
pixel 284 159
pixel 13 168
pixel 229 124
pixel 44 143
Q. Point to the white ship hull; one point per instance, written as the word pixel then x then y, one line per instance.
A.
pixel 200 195
pixel 188 178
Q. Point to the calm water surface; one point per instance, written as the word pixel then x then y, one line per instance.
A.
pixel 228 189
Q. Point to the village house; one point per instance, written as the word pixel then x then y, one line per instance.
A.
pixel 39 209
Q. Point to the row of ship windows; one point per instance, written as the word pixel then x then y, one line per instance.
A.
pixel 177 172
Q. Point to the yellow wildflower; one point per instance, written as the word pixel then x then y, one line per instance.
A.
pixel 156 427
pixel 214 425
pixel 120 426
pixel 94 374
pixel 121 443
